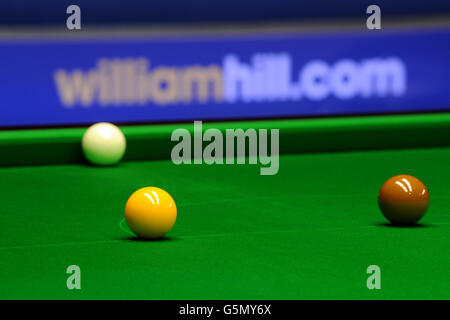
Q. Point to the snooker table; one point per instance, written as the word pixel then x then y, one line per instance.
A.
pixel 309 232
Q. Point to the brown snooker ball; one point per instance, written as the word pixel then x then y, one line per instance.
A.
pixel 403 200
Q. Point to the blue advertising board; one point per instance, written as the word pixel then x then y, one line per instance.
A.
pixel 59 81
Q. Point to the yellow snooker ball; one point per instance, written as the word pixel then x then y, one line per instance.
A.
pixel 150 212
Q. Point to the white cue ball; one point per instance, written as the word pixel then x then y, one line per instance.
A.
pixel 103 144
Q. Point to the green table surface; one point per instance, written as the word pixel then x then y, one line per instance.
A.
pixel 309 232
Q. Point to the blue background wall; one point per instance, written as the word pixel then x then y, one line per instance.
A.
pixel 48 12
